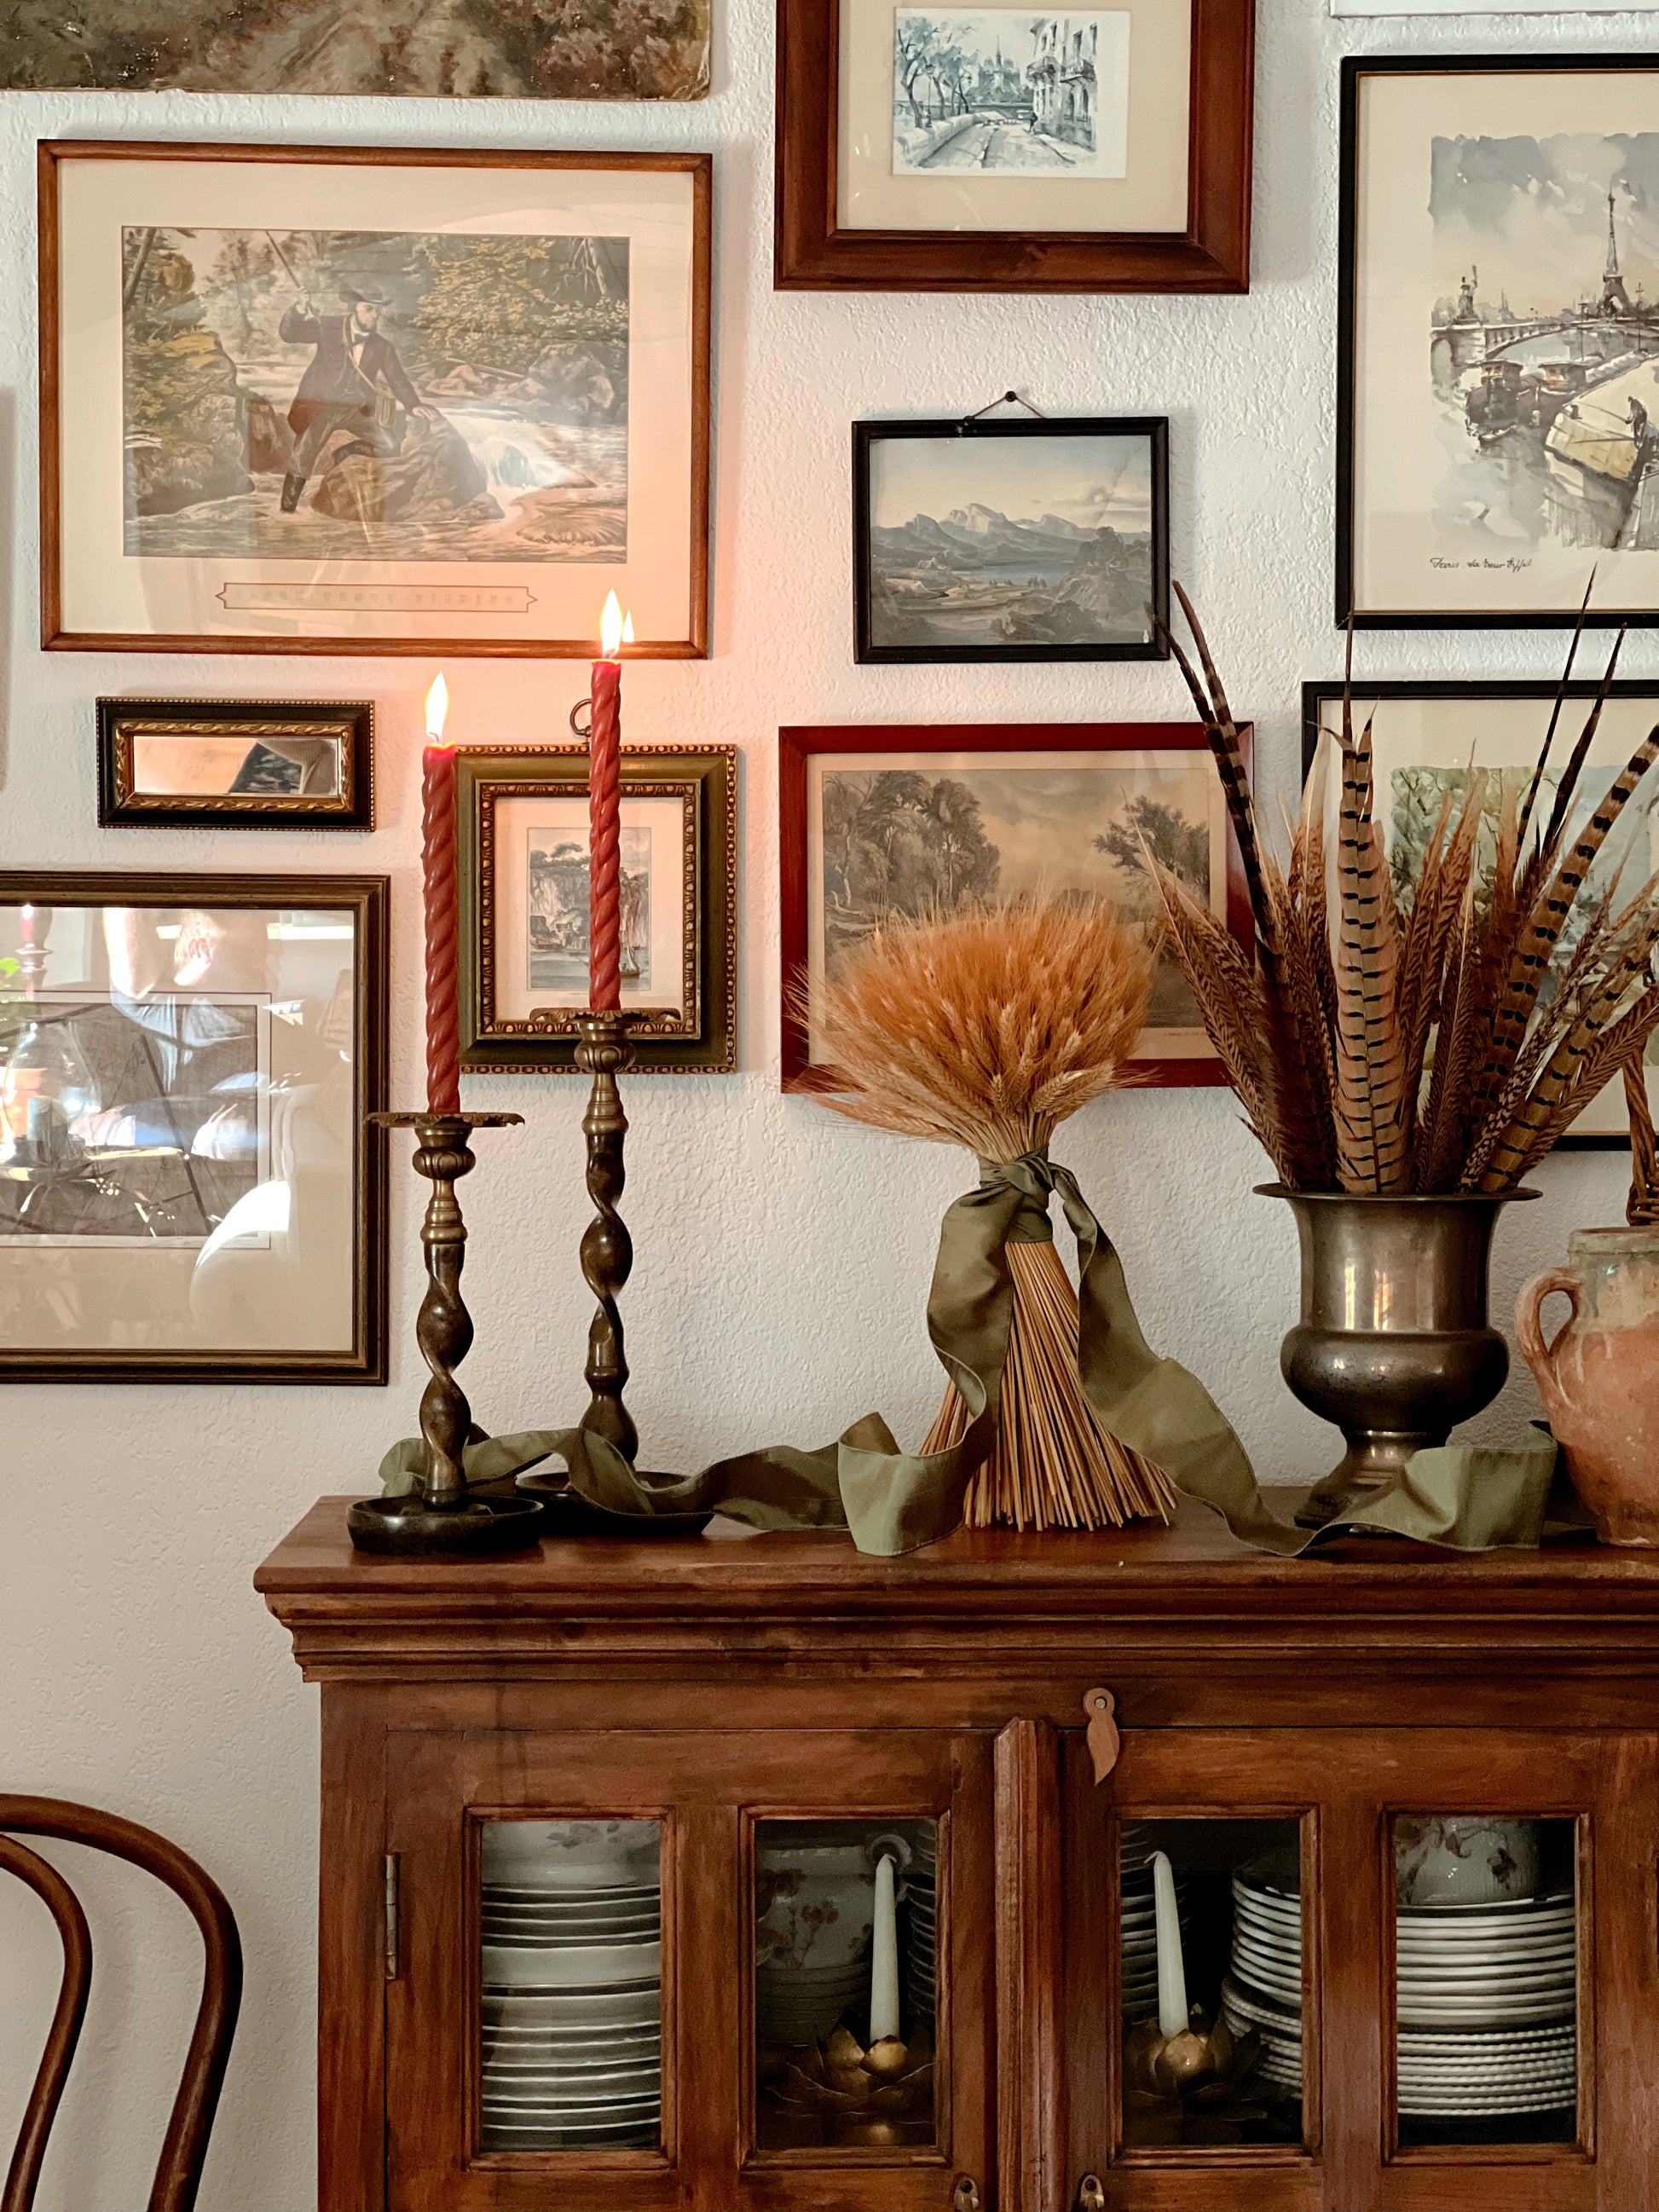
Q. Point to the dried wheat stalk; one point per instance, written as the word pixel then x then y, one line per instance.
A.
pixel 1443 1047
pixel 987 1028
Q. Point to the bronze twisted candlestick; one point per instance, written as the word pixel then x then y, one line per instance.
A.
pixel 442 1516
pixel 604 1049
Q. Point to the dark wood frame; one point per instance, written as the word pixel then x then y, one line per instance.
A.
pixel 867 435
pixel 55 638
pixel 1315 695
pixel 369 898
pixel 812 252
pixel 797 745
pixel 1355 69
pixel 707 775
pixel 121 806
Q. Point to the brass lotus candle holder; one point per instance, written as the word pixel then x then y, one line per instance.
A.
pixel 851 2097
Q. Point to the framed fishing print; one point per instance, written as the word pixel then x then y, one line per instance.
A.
pixel 523 822
pixel 236 763
pixel 1425 737
pixel 330 400
pixel 891 821
pixel 1499 341
pixel 1044 540
pixel 190 1187
pixel 999 149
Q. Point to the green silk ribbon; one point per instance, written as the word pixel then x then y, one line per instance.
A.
pixel 893 1502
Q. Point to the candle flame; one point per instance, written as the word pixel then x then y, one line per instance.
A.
pixel 612 628
pixel 437 709
pixel 627 629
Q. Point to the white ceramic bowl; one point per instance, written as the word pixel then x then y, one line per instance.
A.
pixel 566 1855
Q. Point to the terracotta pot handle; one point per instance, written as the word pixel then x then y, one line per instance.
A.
pixel 1539 1355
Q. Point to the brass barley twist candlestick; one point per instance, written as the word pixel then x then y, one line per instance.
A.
pixel 442 1516
pixel 603 1051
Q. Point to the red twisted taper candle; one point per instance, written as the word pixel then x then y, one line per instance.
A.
pixel 443 1043
pixel 605 820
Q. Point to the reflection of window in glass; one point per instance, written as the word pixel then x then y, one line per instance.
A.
pixel 847 1939
pixel 571 2031
pixel 1486 1950
pixel 1212 1981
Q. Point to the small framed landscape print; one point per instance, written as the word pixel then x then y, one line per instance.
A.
pixel 190 1189
pixel 1425 737
pixel 890 823
pixel 326 400
pixel 524 866
pixel 236 763
pixel 1499 343
pixel 498 49
pixel 994 148
pixel 1044 540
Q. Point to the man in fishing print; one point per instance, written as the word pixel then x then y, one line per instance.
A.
pixel 341 388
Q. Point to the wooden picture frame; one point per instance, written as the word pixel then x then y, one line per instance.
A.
pixel 1203 244
pixel 186 1098
pixel 1631 708
pixel 1003 750
pixel 885 613
pixel 1460 505
pixel 318 755
pixel 521 992
pixel 412 527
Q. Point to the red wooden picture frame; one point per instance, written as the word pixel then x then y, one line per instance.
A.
pixel 813 253
pixel 797 745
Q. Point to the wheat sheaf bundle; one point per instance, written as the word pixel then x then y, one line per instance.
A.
pixel 986 1029
pixel 1443 1039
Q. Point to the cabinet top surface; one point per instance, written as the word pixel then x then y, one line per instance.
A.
pixel 1139 1571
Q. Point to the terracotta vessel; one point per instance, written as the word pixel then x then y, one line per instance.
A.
pixel 1599 1374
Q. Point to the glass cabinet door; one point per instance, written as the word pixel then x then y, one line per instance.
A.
pixel 1374 1962
pixel 690 1970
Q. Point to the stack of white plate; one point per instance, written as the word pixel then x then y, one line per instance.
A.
pixel 572 2004
pixel 1486 1996
pixel 1487 2002
pixel 1138 1924
pixel 922 1959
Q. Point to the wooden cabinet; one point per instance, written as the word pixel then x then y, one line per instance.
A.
pixel 1286 1729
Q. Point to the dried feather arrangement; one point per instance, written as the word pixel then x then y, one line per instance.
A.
pixel 986 1029
pixel 1440 1045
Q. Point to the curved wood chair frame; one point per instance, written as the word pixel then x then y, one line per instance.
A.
pixel 184 2150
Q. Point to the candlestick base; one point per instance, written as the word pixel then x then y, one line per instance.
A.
pixel 442 1516
pixel 604 1050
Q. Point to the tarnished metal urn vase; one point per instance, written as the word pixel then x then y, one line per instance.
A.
pixel 1394 1344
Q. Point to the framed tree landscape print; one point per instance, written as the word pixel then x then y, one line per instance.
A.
pixel 1498 354
pixel 890 823
pixel 999 149
pixel 321 400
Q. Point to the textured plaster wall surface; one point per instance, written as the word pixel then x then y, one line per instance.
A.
pixel 783 1259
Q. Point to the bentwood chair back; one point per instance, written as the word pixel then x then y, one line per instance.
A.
pixel 178 2171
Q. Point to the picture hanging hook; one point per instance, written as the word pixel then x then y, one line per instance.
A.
pixel 579 729
pixel 1002 399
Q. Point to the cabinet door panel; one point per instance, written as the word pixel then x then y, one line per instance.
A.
pixel 1461 2035
pixel 535 1992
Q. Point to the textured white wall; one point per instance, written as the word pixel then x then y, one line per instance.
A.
pixel 783 1259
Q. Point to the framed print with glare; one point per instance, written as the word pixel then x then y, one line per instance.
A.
pixel 236 763
pixel 1425 737
pixel 891 821
pixel 997 148
pixel 330 400
pixel 190 1187
pixel 1499 341
pixel 523 823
